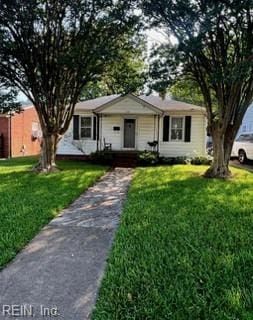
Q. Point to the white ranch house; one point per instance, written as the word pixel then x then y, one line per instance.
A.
pixel 129 122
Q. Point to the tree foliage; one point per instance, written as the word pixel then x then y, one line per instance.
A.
pixel 52 48
pixel 162 68
pixel 8 101
pixel 126 74
pixel 187 91
pixel 214 48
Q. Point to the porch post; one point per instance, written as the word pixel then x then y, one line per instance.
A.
pixel 158 133
pixel 97 130
pixel 154 127
pixel 100 131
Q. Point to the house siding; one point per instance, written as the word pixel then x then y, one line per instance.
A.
pixel 180 148
pixel 69 146
pixel 107 122
pixel 128 106
pixel 147 131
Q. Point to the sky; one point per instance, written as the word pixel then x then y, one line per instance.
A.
pixel 21 97
pixel 156 36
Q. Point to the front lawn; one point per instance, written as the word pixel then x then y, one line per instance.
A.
pixel 28 201
pixel 184 249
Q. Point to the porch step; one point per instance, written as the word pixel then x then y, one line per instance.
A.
pixel 125 159
pixel 124 164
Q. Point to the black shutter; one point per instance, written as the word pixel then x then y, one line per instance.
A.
pixel 166 128
pixel 94 128
pixel 187 131
pixel 98 124
pixel 76 128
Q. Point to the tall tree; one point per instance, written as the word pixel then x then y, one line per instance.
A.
pixel 214 48
pixel 51 49
pixel 187 91
pixel 126 74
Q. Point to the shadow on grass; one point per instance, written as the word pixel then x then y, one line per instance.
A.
pixel 29 201
pixel 20 161
pixel 183 249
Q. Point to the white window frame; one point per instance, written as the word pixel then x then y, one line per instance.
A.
pixel 36 129
pixel 80 127
pixel 183 125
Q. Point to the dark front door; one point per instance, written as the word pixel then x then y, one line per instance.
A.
pixel 129 133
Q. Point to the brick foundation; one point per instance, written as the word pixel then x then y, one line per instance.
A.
pixel 72 157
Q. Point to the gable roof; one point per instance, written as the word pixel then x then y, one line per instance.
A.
pixel 133 97
pixel 155 103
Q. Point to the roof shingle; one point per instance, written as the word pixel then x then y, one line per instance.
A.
pixel 156 101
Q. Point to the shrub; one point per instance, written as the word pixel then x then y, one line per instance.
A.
pixel 198 160
pixel 180 160
pixel 148 158
pixel 166 160
pixel 201 160
pixel 173 160
pixel 102 157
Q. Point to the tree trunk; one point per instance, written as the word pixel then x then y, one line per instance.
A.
pixel 222 147
pixel 48 153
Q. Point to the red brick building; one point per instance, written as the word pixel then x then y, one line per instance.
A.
pixel 20 134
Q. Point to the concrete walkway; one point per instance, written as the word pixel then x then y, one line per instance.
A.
pixel 61 269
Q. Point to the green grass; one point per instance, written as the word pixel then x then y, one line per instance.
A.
pixel 184 249
pixel 28 201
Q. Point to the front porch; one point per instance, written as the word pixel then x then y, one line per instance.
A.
pixel 127 123
pixel 128 133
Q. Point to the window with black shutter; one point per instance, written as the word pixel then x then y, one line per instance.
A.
pixel 86 127
pixel 177 128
